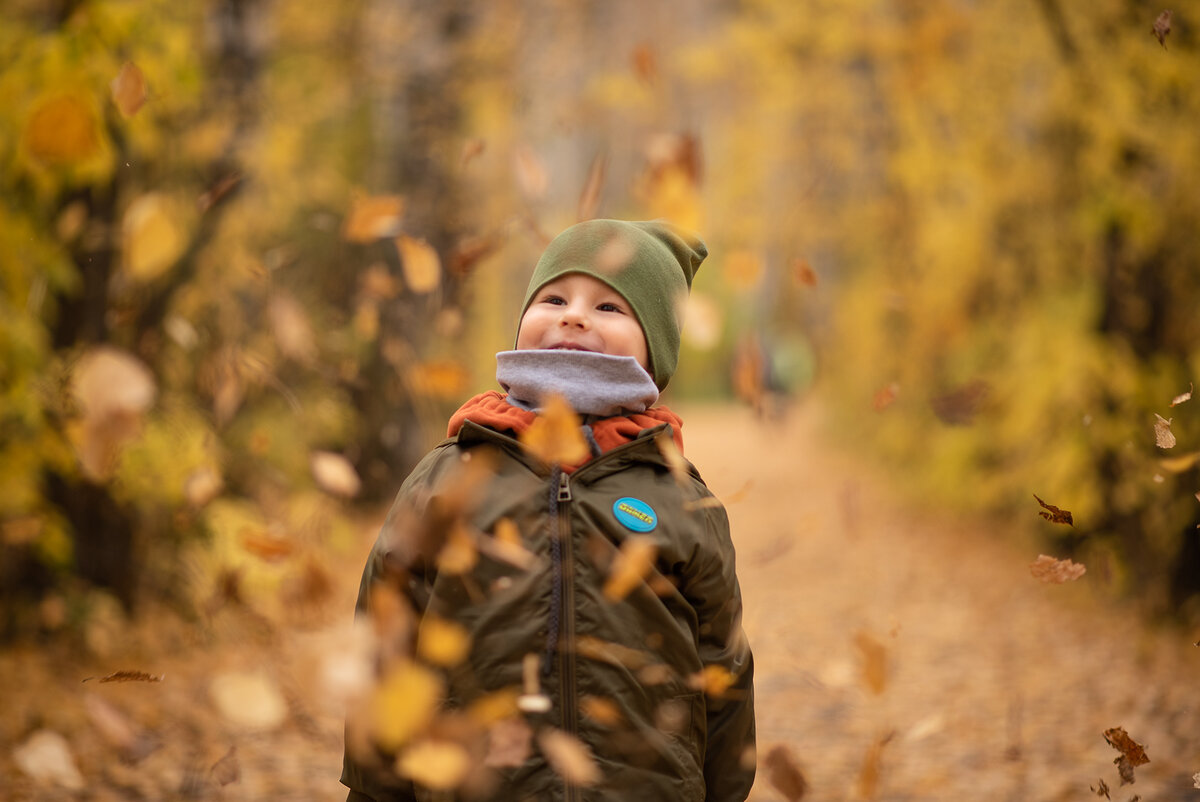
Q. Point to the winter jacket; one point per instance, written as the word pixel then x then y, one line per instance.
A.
pixel 660 657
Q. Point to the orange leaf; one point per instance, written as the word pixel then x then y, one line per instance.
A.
pixel 569 757
pixel 629 569
pixel 373 217
pixel 554 436
pixel 1052 571
pixel 1130 749
pixel 62 130
pixel 129 89
pixel 421 265
pixel 874 662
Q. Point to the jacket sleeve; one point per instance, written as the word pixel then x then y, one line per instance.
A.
pixel 729 757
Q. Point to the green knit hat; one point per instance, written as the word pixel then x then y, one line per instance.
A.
pixel 650 263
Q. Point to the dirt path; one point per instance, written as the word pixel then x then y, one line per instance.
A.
pixel 984 685
pixel 994 686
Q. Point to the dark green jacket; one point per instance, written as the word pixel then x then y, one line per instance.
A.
pixel 644 652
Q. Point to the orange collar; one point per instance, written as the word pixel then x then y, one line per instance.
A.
pixel 491 409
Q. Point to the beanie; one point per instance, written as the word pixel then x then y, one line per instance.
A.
pixel 651 264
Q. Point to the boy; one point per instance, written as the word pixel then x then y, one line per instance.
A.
pixel 602 591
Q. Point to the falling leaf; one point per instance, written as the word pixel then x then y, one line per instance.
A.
pixel 885 396
pixel 1162 27
pixel 554 436
pixel 420 263
pixel 1051 571
pixel 959 406
pixel 509 743
pixel 743 269
pixel 1163 436
pixel 678 466
pixel 608 652
pixel 1179 399
pixel 153 237
pixel 471 250
pixel 531 173
pixel 1125 770
pixel 872 767
pixel 436 764
pixel 404 704
pixel 1053 514
pixel 874 661
pixel 645 64
pixel 803 272
pixel 1101 789
pixel 266 545
pixel 334 474
pixel 130 676
pixel 249 699
pixel 228 769
pixel 373 217
pixel 218 191
pixel 593 188
pixel 715 680
pixel 458 554
pixel 1130 749
pixel 631 566
pixel 46 757
pixel 470 150
pixel 442 379
pixel 291 327
pixel 1196 779
pixel 569 757
pixel 129 89
pixel 1181 463
pixel 601 710
pixel 442 642
pixel 784 774
pixel 62 130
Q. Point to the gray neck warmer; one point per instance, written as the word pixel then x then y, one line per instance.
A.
pixel 598 385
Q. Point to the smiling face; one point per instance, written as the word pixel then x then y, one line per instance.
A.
pixel 579 312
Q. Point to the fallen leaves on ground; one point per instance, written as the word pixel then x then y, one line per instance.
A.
pixel 1053 514
pixel 1050 570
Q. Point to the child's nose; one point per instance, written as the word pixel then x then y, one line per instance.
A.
pixel 572 315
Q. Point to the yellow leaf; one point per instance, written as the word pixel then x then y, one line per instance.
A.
pixel 439 765
pixel 334 474
pixel 249 699
pixel 1182 463
pixel 62 130
pixel 601 710
pixel 714 680
pixel 494 707
pixel 110 381
pixel 153 238
pixel 438 378
pixel 373 217
pixel 129 89
pixel 554 436
pixel 675 461
pixel 629 569
pixel 442 642
pixel 421 265
pixel 404 705
pixel 569 756
pixel 458 554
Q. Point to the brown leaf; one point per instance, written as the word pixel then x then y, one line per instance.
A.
pixel 130 676
pixel 373 217
pixel 218 191
pixel 1052 571
pixel 1101 789
pixel 569 757
pixel 471 250
pixel 1163 436
pixel 1179 399
pixel 784 774
pixel 1162 27
pixel 129 89
pixel 872 767
pixel 1130 749
pixel 593 188
pixel 554 436
pixel 803 272
pixel 874 661
pixel 471 149
pixel 1053 514
pixel 631 566
pixel 601 710
pixel 291 327
pixel 958 407
pixel 1125 769
pixel 228 769
pixel 645 65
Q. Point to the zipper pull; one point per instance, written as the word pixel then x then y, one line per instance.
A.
pixel 564 489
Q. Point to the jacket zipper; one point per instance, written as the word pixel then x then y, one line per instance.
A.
pixel 566 645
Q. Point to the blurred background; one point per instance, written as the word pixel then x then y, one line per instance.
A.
pixel 253 252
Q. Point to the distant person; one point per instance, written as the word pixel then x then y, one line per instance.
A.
pixel 590 674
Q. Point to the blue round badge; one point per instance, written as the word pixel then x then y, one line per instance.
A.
pixel 635 514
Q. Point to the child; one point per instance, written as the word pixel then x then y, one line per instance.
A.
pixel 602 592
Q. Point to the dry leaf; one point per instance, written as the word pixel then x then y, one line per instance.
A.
pixel 1053 514
pixel 593 188
pixel 715 680
pixel 1196 779
pixel 601 710
pixel 404 704
pixel 228 769
pixel 441 379
pixel 596 649
pixel 1179 399
pixel 373 217
pixel 531 174
pixel 554 436
pixel 645 64
pixel 218 191
pixel 266 545
pixel 678 465
pixel 458 554
pixel 1130 749
pixel 334 474
pixel 885 396
pixel 129 89
pixel 784 774
pixel 420 263
pixel 803 272
pixel 1125 770
pixel 439 765
pixel 292 330
pixel 509 743
pixel 1162 27
pixel 872 767
pixel 442 642
pixel 1047 569
pixel 874 662
pixel 1163 436
pixel 1101 789
pixel 631 566
pixel 471 148
pixel 62 130
pixel 153 238
pixel 129 676
pixel 959 406
pixel 569 757
pixel 249 699
pixel 46 757
pixel 1181 463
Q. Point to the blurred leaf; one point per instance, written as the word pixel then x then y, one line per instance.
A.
pixel 471 149
pixel 675 460
pixel 265 545
pixel 509 743
pixel 404 704
pixel 1163 436
pixel 129 89
pixel 1101 789
pixel 471 250
pixel 334 474
pixel 438 378
pixel 129 676
pixel 874 662
pixel 569 757
pixel 421 265
pixel 1053 514
pixel 109 381
pixel 46 757
pixel 249 699
pixel 554 437
pixel 62 130
pixel 885 396
pixel 118 731
pixel 290 324
pixel 803 272
pixel 601 710
pixel 202 486
pixel 743 269
pixel 373 217
pixel 442 642
pixel 593 188
pixel 531 173
pixel 784 774
pixel 153 238
pixel 715 680
pixel 631 566
pixel 645 65
pixel 872 767
pixel 228 769
pixel 458 554
pixel 959 406
pixel 1182 397
pixel 1049 570
pixel 704 322
pixel 1162 27
pixel 439 765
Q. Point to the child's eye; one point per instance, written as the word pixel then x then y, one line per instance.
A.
pixel 553 299
pixel 609 307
